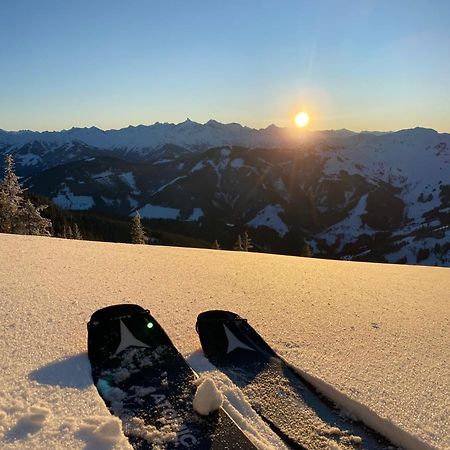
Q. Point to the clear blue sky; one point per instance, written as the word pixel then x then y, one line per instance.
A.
pixel 357 64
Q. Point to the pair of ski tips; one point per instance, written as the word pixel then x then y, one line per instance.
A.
pixel 147 383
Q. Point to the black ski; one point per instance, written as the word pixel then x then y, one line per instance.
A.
pixel 146 382
pixel 289 404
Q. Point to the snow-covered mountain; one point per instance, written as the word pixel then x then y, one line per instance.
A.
pixel 144 139
pixel 370 196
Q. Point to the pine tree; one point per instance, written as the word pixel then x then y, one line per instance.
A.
pixel 238 244
pixel 216 245
pixel 246 243
pixel 10 198
pixel 17 216
pixel 31 221
pixel 76 233
pixel 68 234
pixel 137 230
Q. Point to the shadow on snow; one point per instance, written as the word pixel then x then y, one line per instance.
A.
pixel 72 372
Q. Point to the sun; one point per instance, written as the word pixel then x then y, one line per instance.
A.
pixel 302 119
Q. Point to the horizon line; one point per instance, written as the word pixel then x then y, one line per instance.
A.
pixel 188 120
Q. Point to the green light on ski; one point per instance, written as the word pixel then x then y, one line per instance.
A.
pixel 103 386
pixel 150 325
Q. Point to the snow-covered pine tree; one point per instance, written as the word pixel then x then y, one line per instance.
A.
pixel 246 243
pixel 76 233
pixel 137 230
pixel 216 245
pixel 10 198
pixel 17 216
pixel 238 244
pixel 67 233
pixel 31 221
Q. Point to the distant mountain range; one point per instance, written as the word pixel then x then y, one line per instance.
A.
pixel 188 134
pixel 364 196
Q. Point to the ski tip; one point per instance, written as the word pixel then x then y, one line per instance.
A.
pixel 114 312
pixel 222 332
pixel 217 315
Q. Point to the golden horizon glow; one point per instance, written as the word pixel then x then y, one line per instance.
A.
pixel 302 119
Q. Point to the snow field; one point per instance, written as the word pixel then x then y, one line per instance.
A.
pixel 378 334
pixel 269 217
pixel 150 211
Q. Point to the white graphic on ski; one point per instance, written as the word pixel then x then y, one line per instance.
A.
pixel 128 340
pixel 234 342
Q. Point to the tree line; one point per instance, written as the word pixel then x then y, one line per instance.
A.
pixel 18 215
pixel 139 236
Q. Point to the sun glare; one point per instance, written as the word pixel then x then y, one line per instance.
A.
pixel 301 119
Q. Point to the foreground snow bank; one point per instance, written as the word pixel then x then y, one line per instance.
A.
pixel 377 334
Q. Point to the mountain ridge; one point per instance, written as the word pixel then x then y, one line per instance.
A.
pixel 194 135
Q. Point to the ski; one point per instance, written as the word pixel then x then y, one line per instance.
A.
pixel 147 383
pixel 285 401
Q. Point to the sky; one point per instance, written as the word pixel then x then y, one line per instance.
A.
pixel 356 64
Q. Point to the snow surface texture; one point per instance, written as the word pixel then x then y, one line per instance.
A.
pixel 377 334
pixel 235 404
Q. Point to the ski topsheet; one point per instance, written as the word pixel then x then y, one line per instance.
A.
pixel 289 404
pixel 146 382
